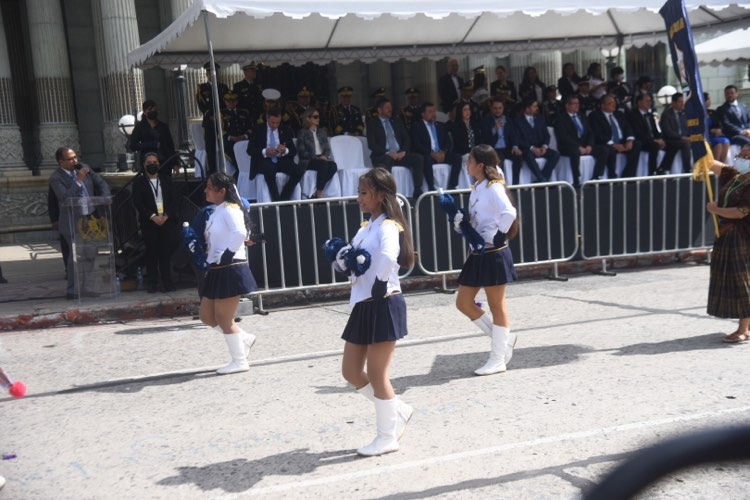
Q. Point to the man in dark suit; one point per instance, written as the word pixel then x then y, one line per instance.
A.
pixel 429 138
pixel 153 197
pixel 675 130
pixel 204 97
pixel 449 86
pixel 389 144
pixel 271 149
pixel 75 180
pixel 531 141
pixel 611 129
pixel 646 131
pixel 734 117
pixel 575 138
pixel 496 129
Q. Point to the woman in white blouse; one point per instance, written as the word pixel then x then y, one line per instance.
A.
pixel 228 276
pixel 493 216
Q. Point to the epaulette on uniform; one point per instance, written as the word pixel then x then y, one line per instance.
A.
pixel 364 223
pixel 398 224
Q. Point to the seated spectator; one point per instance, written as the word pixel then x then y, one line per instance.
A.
pixel 531 87
pixel 345 118
pixel 587 101
pixel 643 86
pixel 430 139
pixel 598 87
pixel 567 84
pixel 674 129
pixel 619 88
pixel 719 142
pixel 389 144
pixel 464 129
pixel 504 89
pixel 611 129
pixel 734 117
pixel 410 112
pixel 154 197
pixel 496 130
pixel 151 135
pixel 304 96
pixel 236 125
pixel 314 150
pixel 551 107
pixel 481 94
pixel 531 141
pixel 271 148
pixel 645 130
pixel 372 112
pixel 575 139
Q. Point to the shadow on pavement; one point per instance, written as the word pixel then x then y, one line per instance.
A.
pixel 699 343
pixel 240 475
pixel 165 328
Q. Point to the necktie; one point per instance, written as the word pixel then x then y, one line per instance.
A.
pixel 390 136
pixel 500 143
pixel 531 121
pixel 433 131
pixel 680 118
pixel 579 126
pixel 272 144
pixel 615 130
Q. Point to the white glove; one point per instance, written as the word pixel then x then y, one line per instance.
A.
pixel 340 262
pixel 457 221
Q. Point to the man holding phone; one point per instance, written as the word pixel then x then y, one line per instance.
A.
pixel 74 180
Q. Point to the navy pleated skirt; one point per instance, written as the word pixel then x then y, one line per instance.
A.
pixel 228 280
pixel 490 268
pixel 374 321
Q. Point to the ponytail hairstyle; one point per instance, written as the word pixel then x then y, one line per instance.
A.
pixel 381 181
pixel 487 156
pixel 221 180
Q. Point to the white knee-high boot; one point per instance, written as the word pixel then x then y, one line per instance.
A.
pixel 386 416
pixel 405 411
pixel 237 352
pixel 248 339
pixel 510 343
pixel 484 323
pixel 498 343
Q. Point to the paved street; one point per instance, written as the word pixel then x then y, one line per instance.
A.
pixel 603 366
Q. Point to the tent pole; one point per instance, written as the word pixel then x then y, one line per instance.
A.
pixel 215 90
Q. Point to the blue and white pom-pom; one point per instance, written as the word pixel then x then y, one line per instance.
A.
pixel 194 245
pixel 358 260
pixel 332 247
pixel 459 218
pixel 345 258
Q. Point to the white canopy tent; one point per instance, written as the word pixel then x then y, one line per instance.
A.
pixel 298 32
pixel 734 46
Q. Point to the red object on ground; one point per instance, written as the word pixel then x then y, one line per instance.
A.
pixel 17 390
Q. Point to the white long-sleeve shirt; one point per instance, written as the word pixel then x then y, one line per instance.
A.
pixel 380 237
pixel 490 209
pixel 225 230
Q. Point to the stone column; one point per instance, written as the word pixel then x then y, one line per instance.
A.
pixel 116 31
pixel 54 89
pixel 193 76
pixel 11 152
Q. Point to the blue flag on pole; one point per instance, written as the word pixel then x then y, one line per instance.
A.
pixel 680 39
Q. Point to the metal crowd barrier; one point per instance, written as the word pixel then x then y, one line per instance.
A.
pixel 644 216
pixel 548 229
pixel 291 257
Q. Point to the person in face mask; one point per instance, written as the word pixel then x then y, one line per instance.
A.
pixel 729 284
pixel 154 198
pixel 152 135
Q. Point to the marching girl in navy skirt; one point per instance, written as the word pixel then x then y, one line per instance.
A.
pixel 378 318
pixel 228 276
pixel 493 217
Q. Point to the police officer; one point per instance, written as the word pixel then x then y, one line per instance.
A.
pixel 204 98
pixel 346 118
pixel 249 93
pixel 410 112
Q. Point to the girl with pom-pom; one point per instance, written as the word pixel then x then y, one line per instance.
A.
pixel 490 265
pixel 378 318
pixel 228 275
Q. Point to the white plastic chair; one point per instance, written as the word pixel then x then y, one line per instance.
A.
pixel 348 154
pixel 246 187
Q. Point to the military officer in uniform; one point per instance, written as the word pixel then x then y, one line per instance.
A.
pixel 236 124
pixel 504 89
pixel 551 107
pixel 467 91
pixel 249 93
pixel 304 96
pixel 204 98
pixel 588 101
pixel 410 112
pixel 373 111
pixel 272 100
pixel 346 119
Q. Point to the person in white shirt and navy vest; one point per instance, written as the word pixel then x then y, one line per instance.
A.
pixel 378 317
pixel 228 276
pixel 493 217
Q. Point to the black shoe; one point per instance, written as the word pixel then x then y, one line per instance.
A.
pixel 89 293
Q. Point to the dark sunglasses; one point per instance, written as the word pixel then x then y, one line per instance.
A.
pixel 314 116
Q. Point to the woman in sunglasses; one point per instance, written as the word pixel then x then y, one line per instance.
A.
pixel 314 150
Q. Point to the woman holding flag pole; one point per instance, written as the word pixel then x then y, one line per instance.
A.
pixel 729 285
